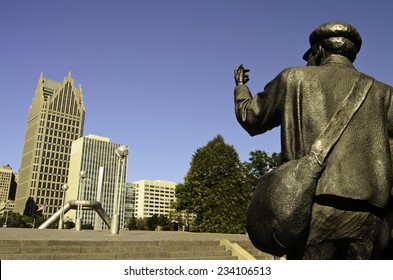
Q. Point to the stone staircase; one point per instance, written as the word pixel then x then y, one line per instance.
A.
pixel 113 250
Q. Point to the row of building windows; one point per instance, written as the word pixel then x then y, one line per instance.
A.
pixel 152 207
pixel 58 178
pixel 60 141
pixel 62 162
pixel 48 201
pixel 57 141
pixel 52 178
pixel 156 193
pixel 56 129
pixel 64 121
pixel 64 125
pixel 54 154
pixel 52 134
pixel 54 162
pixel 60 153
pixel 158 197
pixel 147 214
pixel 156 188
pixel 49 169
pixel 49 193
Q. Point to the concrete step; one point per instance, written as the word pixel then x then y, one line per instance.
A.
pixel 103 243
pixel 109 257
pixel 111 250
pixel 106 249
pixel 259 255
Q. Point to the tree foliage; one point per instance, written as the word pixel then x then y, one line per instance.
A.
pixel 154 222
pixel 69 224
pixel 16 220
pixel 215 189
pixel 132 224
pixel 259 164
pixel 158 222
pixel 137 224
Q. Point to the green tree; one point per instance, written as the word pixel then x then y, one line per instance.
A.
pixel 87 226
pixel 132 223
pixel 184 202
pixel 215 189
pixel 164 222
pixel 259 164
pixel 152 222
pixel 178 219
pixel 69 224
pixel 14 220
pixel 156 221
pixel 141 224
pixel 34 221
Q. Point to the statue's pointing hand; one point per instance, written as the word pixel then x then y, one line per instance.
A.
pixel 241 76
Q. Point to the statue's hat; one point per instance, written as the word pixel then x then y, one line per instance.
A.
pixel 334 29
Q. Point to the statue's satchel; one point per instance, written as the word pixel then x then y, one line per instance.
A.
pixel 280 210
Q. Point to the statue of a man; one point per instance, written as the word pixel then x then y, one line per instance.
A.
pixel 354 189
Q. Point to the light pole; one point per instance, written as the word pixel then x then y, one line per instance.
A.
pixel 61 221
pixel 121 152
pixel 82 176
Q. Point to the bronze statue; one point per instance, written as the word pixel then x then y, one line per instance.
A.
pixel 354 185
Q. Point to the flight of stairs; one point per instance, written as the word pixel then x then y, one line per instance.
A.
pixel 112 250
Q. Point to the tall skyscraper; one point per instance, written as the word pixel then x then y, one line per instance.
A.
pixel 56 118
pixel 97 157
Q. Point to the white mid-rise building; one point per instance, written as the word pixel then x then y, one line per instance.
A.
pixel 153 197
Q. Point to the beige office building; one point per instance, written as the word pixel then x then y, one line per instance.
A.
pixel 55 119
pixel 96 156
pixel 153 197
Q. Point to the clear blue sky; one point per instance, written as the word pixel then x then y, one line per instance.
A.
pixel 158 75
